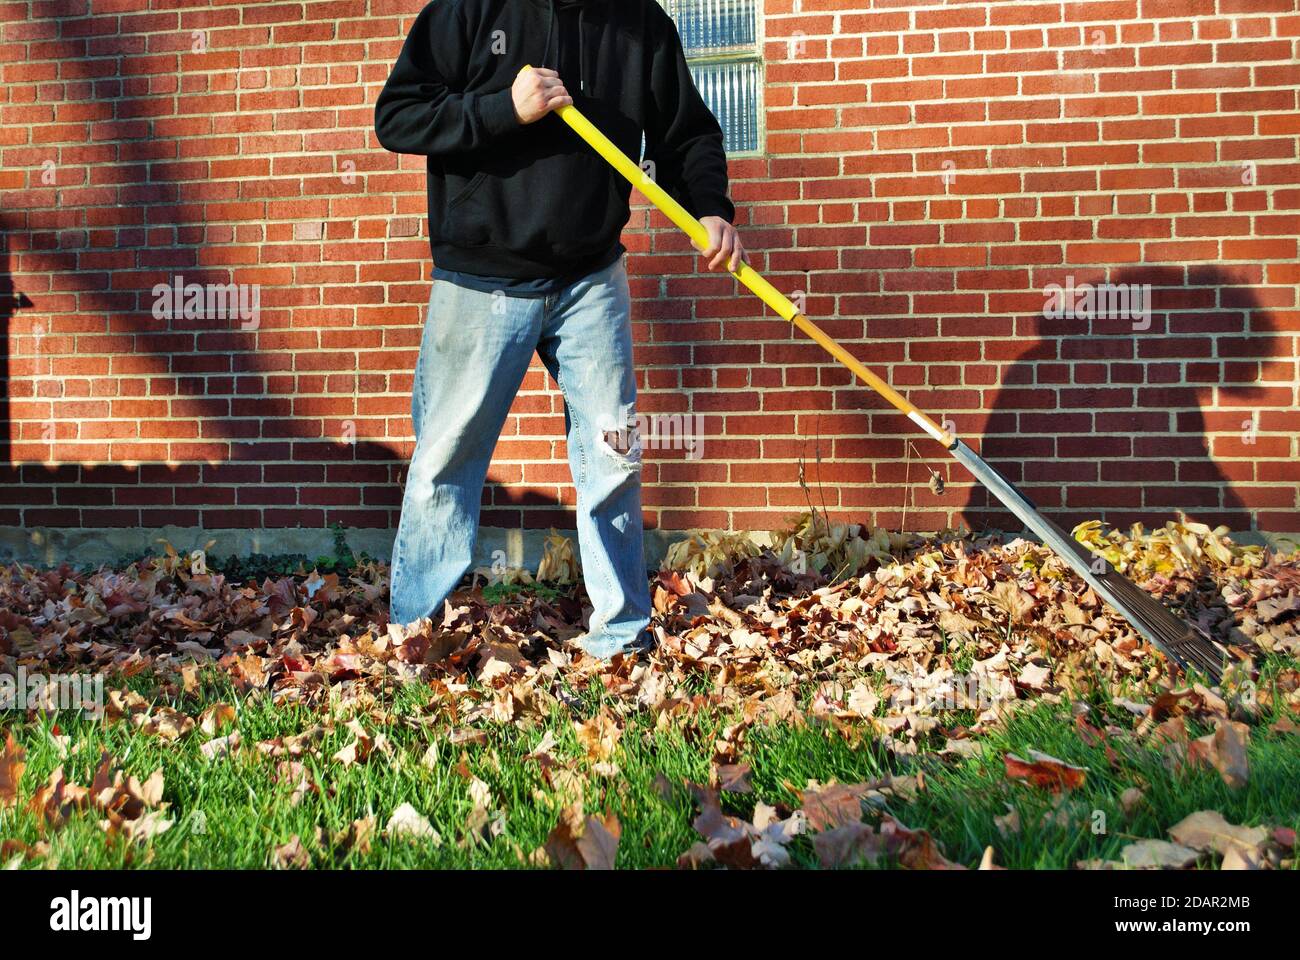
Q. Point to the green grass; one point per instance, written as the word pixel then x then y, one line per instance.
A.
pixel 495 593
pixel 247 814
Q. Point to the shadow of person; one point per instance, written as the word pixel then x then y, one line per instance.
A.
pixel 1135 418
pixel 9 302
pixel 228 442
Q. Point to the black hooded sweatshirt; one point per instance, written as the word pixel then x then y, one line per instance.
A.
pixel 534 201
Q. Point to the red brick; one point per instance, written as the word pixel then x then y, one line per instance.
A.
pixel 1065 161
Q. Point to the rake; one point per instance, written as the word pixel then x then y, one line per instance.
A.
pixel 1184 645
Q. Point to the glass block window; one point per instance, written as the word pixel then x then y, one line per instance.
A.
pixel 721 41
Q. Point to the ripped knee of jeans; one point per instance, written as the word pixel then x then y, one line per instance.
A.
pixel 620 438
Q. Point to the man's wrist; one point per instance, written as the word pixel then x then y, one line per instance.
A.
pixel 723 210
pixel 497 111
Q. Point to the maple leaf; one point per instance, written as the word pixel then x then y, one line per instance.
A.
pixel 1045 771
pixel 599 736
pixel 599 842
pixel 578 843
pixel 735 843
pixel 1012 599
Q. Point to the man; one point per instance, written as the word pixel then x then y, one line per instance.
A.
pixel 524 225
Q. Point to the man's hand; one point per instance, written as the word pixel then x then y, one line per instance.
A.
pixel 536 93
pixel 725 248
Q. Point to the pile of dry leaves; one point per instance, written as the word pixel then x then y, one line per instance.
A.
pixel 907 625
pixel 879 635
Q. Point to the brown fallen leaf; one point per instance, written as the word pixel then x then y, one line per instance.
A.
pixel 832 806
pixel 296 773
pixel 141 829
pixel 1284 725
pixel 1012 599
pixel 13 853
pixel 56 800
pixel 125 703
pixel 1008 824
pixel 467 735
pixel 1225 751
pixel 578 843
pixel 359 749
pixel 220 746
pixel 733 777
pixel 190 678
pixel 1045 771
pixel 215 717
pixel 741 845
pixel 1035 676
pixel 599 842
pixel 728 837
pixel 1130 798
pixel 1173 741
pixel 1239 858
pixel 121 796
pixel 599 736
pixel 1158 855
pixel 294 745
pixel 915 849
pixel 696 856
pixel 1093 737
pixel 291 856
pixel 408 823
pixel 357 837
pixel 164 722
pixel 12 765
pixel 130 808
pixel 1208 830
pixel 849 845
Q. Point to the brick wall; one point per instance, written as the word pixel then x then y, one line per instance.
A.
pixel 930 169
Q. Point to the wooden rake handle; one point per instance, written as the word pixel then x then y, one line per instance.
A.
pixel 747 275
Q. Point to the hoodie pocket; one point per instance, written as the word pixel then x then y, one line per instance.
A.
pixel 462 195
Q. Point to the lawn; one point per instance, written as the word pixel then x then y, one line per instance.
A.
pixel 846 699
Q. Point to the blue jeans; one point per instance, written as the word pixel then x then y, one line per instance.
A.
pixel 474 352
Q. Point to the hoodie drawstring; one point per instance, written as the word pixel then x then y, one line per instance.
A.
pixel 582 46
pixel 582 53
pixel 550 25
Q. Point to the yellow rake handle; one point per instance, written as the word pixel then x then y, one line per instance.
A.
pixel 747 275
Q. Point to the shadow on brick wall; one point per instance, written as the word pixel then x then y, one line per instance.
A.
pixel 300 477
pixel 1100 420
pixel 9 302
